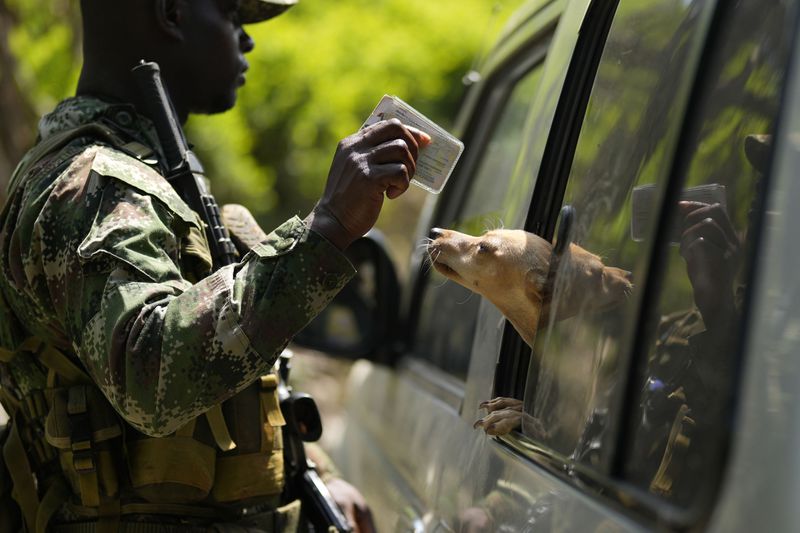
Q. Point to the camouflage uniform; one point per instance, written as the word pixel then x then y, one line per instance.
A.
pixel 99 256
pixel 681 405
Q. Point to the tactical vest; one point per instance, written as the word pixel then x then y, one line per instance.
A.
pixel 66 443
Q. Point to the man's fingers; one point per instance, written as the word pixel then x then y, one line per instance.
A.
pixel 696 212
pixel 394 151
pixel 710 231
pixel 392 178
pixel 387 130
pixel 423 139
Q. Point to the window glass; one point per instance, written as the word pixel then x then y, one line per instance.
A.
pixel 579 363
pixel 683 407
pixel 448 311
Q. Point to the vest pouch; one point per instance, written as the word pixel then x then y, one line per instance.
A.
pixel 175 469
pixel 85 430
pixel 255 468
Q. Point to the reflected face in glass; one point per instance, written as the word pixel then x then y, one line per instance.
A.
pixel 588 284
pixel 511 268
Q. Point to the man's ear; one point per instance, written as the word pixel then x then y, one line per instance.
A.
pixel 168 17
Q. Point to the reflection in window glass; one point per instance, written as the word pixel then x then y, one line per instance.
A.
pixel 449 311
pixel 683 413
pixel 578 368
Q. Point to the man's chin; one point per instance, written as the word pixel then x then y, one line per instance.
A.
pixel 219 105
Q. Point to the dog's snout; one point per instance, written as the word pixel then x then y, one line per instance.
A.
pixel 628 275
pixel 436 233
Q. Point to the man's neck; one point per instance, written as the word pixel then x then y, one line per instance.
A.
pixel 116 85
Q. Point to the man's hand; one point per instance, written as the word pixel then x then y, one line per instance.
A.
pixel 353 504
pixel 712 251
pixel 380 159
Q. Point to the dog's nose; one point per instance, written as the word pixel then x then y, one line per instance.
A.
pixel 628 275
pixel 436 233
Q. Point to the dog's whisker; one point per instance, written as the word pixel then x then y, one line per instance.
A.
pixel 430 260
pixel 469 296
pixel 441 284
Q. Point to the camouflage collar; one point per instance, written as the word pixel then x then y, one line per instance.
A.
pixel 80 110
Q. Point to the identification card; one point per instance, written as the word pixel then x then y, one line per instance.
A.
pixel 437 160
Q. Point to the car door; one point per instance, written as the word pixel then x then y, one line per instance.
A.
pixel 613 116
pixel 633 402
pixel 400 420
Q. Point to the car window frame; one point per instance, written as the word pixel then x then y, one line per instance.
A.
pixel 556 162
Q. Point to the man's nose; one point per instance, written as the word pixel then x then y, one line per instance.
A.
pixel 246 43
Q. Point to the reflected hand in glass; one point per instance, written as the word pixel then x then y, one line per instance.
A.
pixel 712 251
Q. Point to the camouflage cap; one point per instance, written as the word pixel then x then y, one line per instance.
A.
pixel 251 11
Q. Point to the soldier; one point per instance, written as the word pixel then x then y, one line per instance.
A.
pixel 139 382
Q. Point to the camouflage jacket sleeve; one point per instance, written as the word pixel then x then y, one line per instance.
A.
pixel 105 252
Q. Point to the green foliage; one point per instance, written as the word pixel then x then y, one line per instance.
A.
pixel 316 73
pixel 315 76
pixel 46 44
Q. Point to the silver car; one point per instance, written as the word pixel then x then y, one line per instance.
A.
pixel 661 137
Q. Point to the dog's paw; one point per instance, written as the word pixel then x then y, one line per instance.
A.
pixel 500 422
pixel 501 403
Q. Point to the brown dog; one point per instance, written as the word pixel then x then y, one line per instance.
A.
pixel 511 268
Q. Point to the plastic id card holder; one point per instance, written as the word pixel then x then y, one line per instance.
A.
pixel 437 160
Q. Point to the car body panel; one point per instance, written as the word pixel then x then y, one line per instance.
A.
pixel 761 487
pixel 410 444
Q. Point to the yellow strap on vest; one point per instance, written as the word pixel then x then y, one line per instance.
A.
pixel 240 477
pixel 55 496
pixel 187 430
pixel 219 429
pixel 83 459
pixel 9 402
pixel 54 360
pixel 24 491
pixel 155 464
pixel 269 401
pixel 57 361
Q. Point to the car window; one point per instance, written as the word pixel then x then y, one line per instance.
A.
pixel 580 356
pixel 497 191
pixel 683 389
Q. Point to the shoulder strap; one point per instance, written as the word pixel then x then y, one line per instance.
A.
pixel 57 142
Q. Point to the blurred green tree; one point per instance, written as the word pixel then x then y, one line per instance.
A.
pixel 316 75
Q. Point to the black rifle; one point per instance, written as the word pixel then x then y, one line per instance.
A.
pixel 303 424
pixel 184 171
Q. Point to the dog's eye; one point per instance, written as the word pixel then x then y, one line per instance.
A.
pixel 484 248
